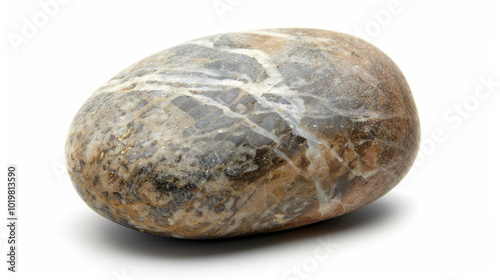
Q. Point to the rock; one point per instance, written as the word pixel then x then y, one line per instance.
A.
pixel 243 133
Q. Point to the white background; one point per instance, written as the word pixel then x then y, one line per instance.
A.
pixel 441 222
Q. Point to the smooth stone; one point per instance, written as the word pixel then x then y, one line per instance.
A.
pixel 244 133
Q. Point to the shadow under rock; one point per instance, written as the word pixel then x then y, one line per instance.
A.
pixel 131 241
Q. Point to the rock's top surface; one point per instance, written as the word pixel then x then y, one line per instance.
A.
pixel 243 133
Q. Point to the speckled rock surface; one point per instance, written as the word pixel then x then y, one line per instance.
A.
pixel 243 133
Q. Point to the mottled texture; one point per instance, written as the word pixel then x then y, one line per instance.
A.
pixel 243 133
